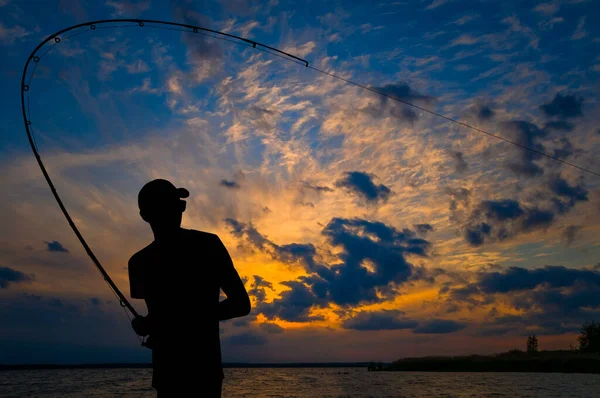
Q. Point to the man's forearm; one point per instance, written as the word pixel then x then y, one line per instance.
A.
pixel 228 309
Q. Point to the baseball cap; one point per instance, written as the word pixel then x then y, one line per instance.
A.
pixel 160 192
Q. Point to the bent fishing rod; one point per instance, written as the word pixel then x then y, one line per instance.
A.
pixel 56 37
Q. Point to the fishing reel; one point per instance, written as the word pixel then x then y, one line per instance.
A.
pixel 147 342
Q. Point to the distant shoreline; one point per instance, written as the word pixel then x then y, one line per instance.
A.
pixel 559 361
pixel 149 365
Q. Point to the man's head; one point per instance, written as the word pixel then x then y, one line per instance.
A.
pixel 161 205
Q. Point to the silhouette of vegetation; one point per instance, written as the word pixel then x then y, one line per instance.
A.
pixel 586 359
pixel 589 339
pixel 532 344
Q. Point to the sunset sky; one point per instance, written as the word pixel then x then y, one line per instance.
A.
pixel 364 229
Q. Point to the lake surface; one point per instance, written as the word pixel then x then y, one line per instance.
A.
pixel 305 382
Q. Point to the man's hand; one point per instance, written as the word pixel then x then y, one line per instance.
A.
pixel 141 325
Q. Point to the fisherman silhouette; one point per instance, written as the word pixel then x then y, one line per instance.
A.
pixel 179 275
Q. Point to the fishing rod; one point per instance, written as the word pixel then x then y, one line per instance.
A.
pixel 27 120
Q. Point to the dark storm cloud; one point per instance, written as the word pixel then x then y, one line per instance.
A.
pixel 496 220
pixel 371 262
pixel 559 125
pixel 517 278
pixel 229 184
pixel 248 234
pixel 362 185
pixel 563 106
pixel 567 195
pixel 382 246
pixel 484 112
pixel 423 229
pixel 259 287
pixel 525 134
pixel 302 253
pixel 481 111
pixel 293 305
pixel 439 326
pixel 10 276
pixel 552 299
pixel 56 246
pixel 379 320
pixel 460 165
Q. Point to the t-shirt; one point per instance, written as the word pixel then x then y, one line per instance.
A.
pixel 180 281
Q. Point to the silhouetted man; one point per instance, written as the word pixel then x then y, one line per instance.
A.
pixel 180 275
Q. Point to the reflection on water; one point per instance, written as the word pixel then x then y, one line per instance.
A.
pixel 326 382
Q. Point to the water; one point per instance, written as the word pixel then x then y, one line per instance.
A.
pixel 325 382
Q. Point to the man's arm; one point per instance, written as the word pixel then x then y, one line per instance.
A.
pixel 237 303
pixel 140 324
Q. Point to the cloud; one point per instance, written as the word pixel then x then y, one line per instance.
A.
pixel 404 92
pixel 293 305
pixel 74 7
pixel 317 188
pixel 547 8
pixel 580 33
pixel 554 298
pixel 436 4
pixel 463 20
pixel 423 229
pixel 384 106
pixel 464 40
pixel 482 112
pixel 519 279
pixel 271 328
pixel 258 288
pixel 550 24
pixel 362 185
pixel 439 326
pixel 518 27
pixel 138 67
pixel 563 106
pixel 293 253
pixel 229 184
pixel 300 51
pixel 379 320
pixel 559 125
pixel 245 338
pixel 525 134
pixel 460 166
pixel 128 9
pixel 9 35
pixel 56 246
pixel 570 233
pixel 497 220
pixel 204 54
pixel 371 261
pixel 10 276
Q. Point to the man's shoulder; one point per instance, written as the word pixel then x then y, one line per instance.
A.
pixel 141 256
pixel 201 235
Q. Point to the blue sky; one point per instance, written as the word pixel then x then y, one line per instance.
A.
pixel 364 229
